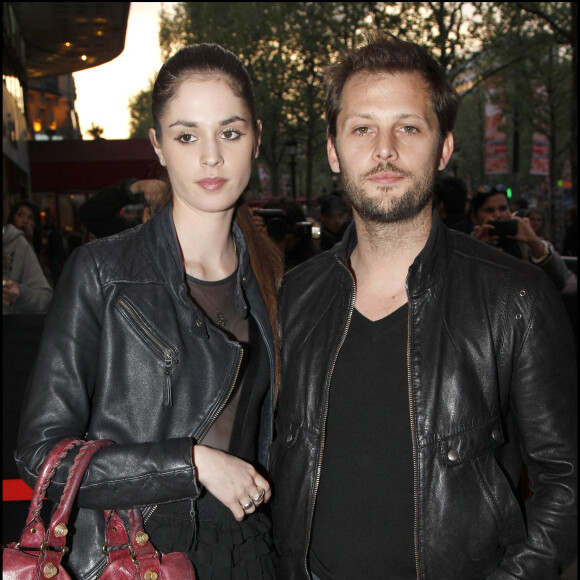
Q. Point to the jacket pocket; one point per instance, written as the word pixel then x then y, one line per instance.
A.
pixel 153 338
pixel 474 448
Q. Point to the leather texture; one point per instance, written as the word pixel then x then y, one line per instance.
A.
pixel 131 557
pixel 40 550
pixel 492 382
pixel 127 356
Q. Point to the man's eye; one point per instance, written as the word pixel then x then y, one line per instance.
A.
pixel 409 130
pixel 362 130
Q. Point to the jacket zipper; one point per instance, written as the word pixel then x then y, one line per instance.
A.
pixel 224 402
pixel 325 415
pixel 414 442
pixel 167 352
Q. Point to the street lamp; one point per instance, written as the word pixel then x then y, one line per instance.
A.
pixel 292 147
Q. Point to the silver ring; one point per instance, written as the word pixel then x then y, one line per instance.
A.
pixel 247 506
pixel 259 497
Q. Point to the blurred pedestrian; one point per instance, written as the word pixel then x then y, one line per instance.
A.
pixel 290 230
pixel 489 205
pixel 334 221
pixel 25 289
pixel 101 212
pixel 538 223
pixel 450 198
pixel 163 338
pixel 25 215
pixel 56 249
pixel 421 368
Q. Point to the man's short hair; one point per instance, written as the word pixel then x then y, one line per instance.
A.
pixel 385 53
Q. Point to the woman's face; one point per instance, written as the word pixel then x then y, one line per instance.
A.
pixel 207 144
pixel 24 220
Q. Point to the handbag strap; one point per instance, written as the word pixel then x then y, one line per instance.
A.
pixel 53 460
pixel 57 529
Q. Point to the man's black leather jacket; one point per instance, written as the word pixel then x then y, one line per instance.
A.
pixel 126 356
pixel 491 380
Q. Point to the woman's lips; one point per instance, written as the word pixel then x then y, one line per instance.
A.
pixel 212 183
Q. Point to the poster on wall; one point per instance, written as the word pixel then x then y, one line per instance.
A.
pixel 495 138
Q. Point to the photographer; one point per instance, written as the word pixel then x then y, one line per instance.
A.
pixel 494 224
pixel 100 213
pixel 283 220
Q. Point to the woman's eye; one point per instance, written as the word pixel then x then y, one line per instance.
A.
pixel 186 138
pixel 231 134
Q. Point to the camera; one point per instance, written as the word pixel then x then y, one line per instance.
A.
pixel 278 225
pixel 504 228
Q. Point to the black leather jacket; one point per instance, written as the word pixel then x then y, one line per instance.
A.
pixel 127 356
pixel 492 380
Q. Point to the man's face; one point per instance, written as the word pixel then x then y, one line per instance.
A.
pixel 334 219
pixel 495 208
pixel 387 145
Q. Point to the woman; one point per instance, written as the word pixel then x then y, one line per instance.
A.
pixel 538 223
pixel 25 216
pixel 162 339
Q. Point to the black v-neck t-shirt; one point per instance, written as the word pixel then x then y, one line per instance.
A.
pixel 363 520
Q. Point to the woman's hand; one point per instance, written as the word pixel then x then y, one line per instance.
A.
pixel 10 292
pixel 231 480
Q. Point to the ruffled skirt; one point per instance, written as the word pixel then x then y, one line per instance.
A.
pixel 225 549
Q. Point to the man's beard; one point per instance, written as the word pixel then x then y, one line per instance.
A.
pixel 380 210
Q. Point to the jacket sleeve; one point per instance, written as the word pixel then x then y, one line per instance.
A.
pixel 35 291
pixel 58 400
pixel 554 266
pixel 543 399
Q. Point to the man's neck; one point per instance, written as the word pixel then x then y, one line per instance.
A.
pixel 381 261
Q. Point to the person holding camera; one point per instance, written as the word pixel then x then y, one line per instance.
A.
pixel 101 212
pixel 494 224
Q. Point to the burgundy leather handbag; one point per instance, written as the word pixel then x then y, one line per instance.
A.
pixel 130 555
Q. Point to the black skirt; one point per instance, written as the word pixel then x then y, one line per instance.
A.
pixel 224 549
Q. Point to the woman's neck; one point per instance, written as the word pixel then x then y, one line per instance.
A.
pixel 207 249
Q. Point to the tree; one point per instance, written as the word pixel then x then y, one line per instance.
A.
pixel 141 117
pixel 95 131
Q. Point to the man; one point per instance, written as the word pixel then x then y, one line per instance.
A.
pixel 333 219
pixel 450 199
pixel 100 213
pixel 491 204
pixel 419 366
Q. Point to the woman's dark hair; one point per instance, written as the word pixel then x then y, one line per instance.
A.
pixel 37 232
pixel 385 53
pixel 212 60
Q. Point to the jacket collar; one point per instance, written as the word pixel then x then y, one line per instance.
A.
pixel 428 266
pixel 161 240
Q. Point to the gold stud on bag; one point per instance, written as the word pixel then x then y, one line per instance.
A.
pixel 60 530
pixel 50 570
pixel 141 538
pixel 41 548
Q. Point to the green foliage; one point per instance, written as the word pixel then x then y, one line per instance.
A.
pixel 141 118
pixel 286 45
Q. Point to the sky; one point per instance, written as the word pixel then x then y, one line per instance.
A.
pixel 103 92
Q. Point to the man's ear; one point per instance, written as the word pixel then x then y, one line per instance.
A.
pixel 333 159
pixel 446 150
pixel 156 146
